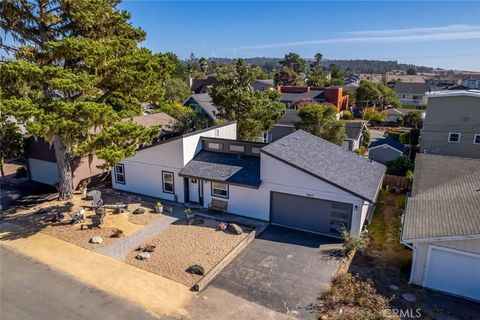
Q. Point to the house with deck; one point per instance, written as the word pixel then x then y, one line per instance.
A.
pixel 323 188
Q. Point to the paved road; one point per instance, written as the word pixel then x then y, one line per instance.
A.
pixel 284 270
pixel 31 290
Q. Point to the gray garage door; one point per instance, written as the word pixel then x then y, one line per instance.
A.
pixel 321 216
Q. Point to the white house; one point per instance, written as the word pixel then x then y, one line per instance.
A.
pixel 299 181
pixel 442 225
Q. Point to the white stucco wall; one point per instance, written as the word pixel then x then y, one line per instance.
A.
pixel 421 250
pixel 143 172
pixel 281 177
pixel 43 171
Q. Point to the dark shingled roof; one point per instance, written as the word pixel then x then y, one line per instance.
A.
pixel 390 142
pixel 411 87
pixel 329 162
pixel 445 199
pixel 224 167
pixel 353 129
pixel 205 102
pixel 289 118
pixel 302 96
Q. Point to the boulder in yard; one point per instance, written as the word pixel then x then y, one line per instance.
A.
pixel 92 193
pixel 138 211
pixel 409 297
pixel 117 233
pixel 143 256
pixel 195 221
pixel 234 228
pixel 196 269
pixel 96 240
pixel 147 248
pixel 222 226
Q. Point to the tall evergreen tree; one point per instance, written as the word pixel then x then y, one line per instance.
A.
pixel 70 57
pixel 254 111
pixel 317 76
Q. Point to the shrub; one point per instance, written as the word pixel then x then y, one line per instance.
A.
pixel 373 115
pixel 360 151
pixel 365 138
pixel 21 172
pixel 347 115
pixel 352 242
pixel 349 298
pixel 399 166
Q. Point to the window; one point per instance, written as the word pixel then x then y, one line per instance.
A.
pixel 476 139
pixel 120 173
pixel 220 189
pixel 167 178
pixel 454 137
pixel 215 146
pixel 237 148
pixel 256 150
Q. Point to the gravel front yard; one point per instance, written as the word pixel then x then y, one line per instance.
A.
pixel 181 246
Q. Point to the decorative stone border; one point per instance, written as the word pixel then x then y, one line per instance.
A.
pixel 203 283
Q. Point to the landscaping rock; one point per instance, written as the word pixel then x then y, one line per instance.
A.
pixel 195 221
pixel 222 226
pixel 235 229
pixel 146 248
pixel 196 269
pixel 117 233
pixel 409 297
pixel 96 240
pixel 120 210
pixel 143 256
pixel 393 287
pixel 139 211
pixel 92 193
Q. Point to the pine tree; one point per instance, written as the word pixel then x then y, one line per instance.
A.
pixel 70 57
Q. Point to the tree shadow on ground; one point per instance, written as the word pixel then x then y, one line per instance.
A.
pixel 17 227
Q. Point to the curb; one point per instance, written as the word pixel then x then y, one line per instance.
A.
pixel 203 283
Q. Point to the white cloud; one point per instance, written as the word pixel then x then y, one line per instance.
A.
pixel 446 33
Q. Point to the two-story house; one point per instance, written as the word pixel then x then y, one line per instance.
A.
pixel 452 124
pixel 412 93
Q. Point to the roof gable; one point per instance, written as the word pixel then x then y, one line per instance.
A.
pixel 329 162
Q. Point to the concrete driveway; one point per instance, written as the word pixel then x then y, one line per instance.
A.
pixel 284 270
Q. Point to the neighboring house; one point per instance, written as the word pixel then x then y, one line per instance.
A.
pixel 394 114
pixel 441 224
pixel 471 83
pixel 284 127
pixel 442 83
pixel 294 97
pixel 203 106
pixel 321 188
pixel 42 163
pixel 202 85
pixel 452 124
pixel 353 134
pixel 385 150
pixel 263 85
pixel 412 93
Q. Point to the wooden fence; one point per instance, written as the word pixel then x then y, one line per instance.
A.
pixel 395 181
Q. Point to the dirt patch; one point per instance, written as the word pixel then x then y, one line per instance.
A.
pixel 39 219
pixel 181 246
pixel 145 218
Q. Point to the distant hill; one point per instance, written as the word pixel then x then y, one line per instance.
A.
pixel 350 66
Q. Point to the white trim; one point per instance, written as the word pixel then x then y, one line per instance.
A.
pixel 466 237
pixel 457 251
pixel 467 93
pixel 475 138
pixel 385 145
pixel 412 265
pixel 459 137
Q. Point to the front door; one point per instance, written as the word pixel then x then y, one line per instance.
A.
pixel 193 190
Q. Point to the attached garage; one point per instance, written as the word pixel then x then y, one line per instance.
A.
pixel 453 271
pixel 310 214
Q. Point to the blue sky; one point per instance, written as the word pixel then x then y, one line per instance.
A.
pixel 439 34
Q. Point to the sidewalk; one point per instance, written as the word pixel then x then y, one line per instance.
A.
pixel 158 295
